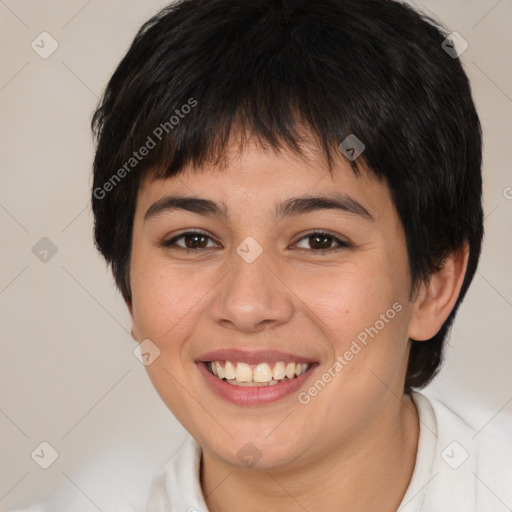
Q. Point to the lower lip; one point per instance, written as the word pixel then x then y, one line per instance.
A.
pixel 254 395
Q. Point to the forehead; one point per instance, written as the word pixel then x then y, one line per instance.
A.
pixel 256 177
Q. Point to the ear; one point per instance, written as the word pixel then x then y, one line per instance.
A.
pixel 134 330
pixel 436 298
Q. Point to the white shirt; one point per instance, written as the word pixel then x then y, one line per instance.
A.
pixel 457 469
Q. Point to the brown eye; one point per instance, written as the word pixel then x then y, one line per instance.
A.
pixel 315 242
pixel 193 241
pixel 190 241
pixel 319 241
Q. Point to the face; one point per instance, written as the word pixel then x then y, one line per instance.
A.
pixel 242 286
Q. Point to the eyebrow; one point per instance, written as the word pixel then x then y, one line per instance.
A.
pixel 289 207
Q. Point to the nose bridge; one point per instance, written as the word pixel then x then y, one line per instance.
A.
pixel 251 296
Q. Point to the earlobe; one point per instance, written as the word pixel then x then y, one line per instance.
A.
pixel 436 298
pixel 133 330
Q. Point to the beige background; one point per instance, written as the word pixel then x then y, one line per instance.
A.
pixel 68 374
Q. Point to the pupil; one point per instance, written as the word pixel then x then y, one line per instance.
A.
pixel 194 243
pixel 324 245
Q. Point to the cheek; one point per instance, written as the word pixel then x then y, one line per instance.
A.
pixel 364 311
pixel 165 298
pixel 348 299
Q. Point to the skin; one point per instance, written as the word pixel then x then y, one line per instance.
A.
pixel 353 446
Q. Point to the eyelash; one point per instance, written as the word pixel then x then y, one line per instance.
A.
pixel 342 244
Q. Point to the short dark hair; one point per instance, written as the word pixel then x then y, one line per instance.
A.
pixel 373 68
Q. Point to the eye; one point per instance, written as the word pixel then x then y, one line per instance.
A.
pixel 190 241
pixel 318 241
pixel 321 242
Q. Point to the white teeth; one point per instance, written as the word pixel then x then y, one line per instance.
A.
pixel 290 370
pixel 262 373
pixel 300 368
pixel 242 374
pixel 220 370
pixel 229 370
pixel 278 371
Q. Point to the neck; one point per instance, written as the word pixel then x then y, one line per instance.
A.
pixel 372 469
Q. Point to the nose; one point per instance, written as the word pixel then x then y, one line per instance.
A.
pixel 252 297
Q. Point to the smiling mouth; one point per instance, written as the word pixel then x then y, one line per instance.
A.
pixel 261 374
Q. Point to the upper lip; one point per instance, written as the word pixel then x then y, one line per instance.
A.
pixel 253 356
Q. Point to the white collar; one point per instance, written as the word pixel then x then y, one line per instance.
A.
pixel 435 486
